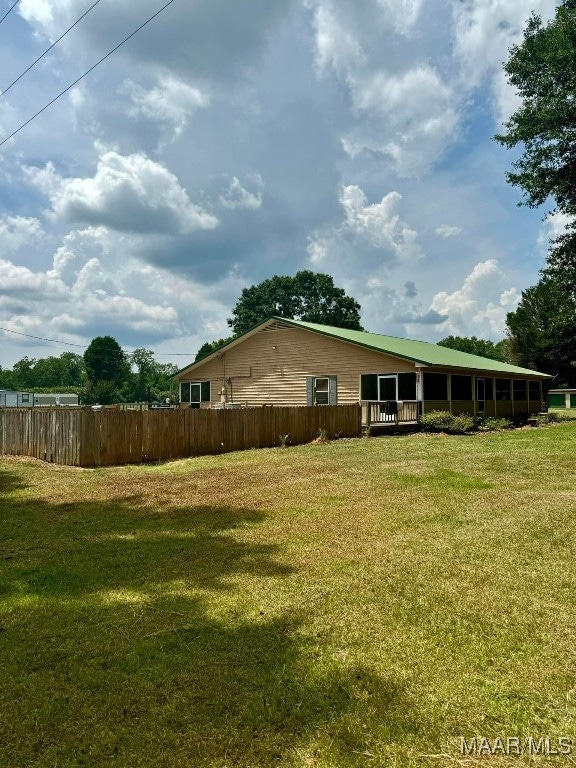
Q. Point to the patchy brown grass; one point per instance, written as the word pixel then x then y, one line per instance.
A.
pixel 340 604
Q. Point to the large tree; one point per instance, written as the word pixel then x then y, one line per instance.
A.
pixel 543 71
pixel 543 328
pixel 107 369
pixel 310 296
pixel 474 346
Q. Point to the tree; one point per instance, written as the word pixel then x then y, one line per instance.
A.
pixel 151 380
pixel 107 368
pixel 543 70
pixel 543 328
pixel 211 346
pixel 475 346
pixel 310 296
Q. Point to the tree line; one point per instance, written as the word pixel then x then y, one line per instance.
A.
pixel 104 374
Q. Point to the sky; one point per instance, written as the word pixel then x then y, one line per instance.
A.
pixel 228 142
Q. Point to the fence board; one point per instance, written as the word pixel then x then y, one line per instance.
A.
pixel 87 438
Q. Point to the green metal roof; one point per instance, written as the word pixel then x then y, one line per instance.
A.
pixel 418 351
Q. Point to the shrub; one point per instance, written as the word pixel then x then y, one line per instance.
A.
pixel 444 421
pixel 462 424
pixel 552 417
pixel 493 424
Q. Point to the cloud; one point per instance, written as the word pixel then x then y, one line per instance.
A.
pixel 484 31
pixel 410 290
pixel 171 101
pixel 404 107
pixel 480 305
pixel 207 38
pixel 236 196
pixel 555 225
pixel 17 232
pixel 428 318
pixel 128 194
pixel 446 230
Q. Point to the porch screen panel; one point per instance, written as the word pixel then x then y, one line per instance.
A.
pixel 205 391
pixel 519 388
pixel 461 387
pixel 489 384
pixel 435 386
pixel 406 386
pixel 185 392
pixel 502 389
pixel 369 386
pixel 534 390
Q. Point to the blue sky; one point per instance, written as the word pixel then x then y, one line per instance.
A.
pixel 229 142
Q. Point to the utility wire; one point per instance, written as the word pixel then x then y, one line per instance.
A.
pixel 41 338
pixel 84 346
pixel 9 10
pixel 5 91
pixel 45 107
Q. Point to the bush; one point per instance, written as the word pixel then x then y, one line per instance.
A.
pixel 444 421
pixel 552 417
pixel 493 424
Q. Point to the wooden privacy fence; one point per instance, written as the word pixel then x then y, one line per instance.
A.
pixel 89 438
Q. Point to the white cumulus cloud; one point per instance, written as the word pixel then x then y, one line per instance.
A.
pixel 480 305
pixel 236 196
pixel 171 101
pixel 127 193
pixel 447 230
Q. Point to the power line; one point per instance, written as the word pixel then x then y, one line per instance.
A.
pixel 9 10
pixel 5 91
pixel 45 107
pixel 84 346
pixel 41 338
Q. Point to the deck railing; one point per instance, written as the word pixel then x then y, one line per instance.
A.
pixel 390 411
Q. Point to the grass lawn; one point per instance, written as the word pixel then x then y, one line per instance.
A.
pixel 360 603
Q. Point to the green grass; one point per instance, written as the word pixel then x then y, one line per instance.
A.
pixel 363 602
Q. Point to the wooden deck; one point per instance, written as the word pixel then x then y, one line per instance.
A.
pixel 385 416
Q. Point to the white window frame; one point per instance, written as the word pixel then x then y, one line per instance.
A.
pixel 316 390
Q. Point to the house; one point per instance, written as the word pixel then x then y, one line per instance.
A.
pixel 12 399
pixel 562 395
pixel 292 362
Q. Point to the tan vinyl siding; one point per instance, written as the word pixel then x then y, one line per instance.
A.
pixel 270 367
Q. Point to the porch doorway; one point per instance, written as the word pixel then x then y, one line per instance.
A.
pixel 480 396
pixel 387 388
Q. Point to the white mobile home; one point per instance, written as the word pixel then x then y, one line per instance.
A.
pixel 11 399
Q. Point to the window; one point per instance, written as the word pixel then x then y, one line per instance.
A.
pixel 519 388
pixel 461 387
pixel 25 397
pixel 502 389
pixel 534 390
pixel 321 391
pixel 195 392
pixel 435 386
